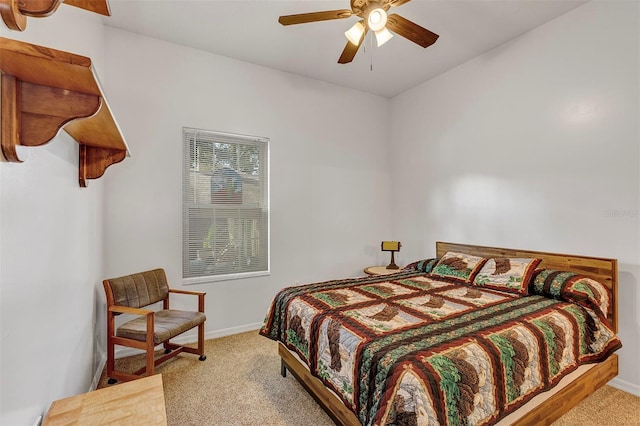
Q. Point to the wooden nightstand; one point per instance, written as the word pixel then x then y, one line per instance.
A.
pixel 380 270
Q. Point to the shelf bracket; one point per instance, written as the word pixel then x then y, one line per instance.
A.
pixel 11 15
pixel 32 114
pixel 14 12
pixel 10 112
pixel 93 161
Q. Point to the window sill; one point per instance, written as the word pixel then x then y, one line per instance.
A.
pixel 227 277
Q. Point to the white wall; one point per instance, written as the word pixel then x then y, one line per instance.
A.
pixel 534 145
pixel 51 246
pixel 328 171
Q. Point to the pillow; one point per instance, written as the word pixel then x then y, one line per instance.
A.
pixel 424 265
pixel 574 288
pixel 510 274
pixel 458 267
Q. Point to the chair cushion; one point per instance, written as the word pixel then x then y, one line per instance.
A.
pixel 140 289
pixel 168 324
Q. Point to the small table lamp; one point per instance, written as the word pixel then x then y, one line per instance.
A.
pixel 392 246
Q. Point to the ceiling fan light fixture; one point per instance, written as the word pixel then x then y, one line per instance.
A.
pixel 377 19
pixel 372 15
pixel 354 34
pixel 383 36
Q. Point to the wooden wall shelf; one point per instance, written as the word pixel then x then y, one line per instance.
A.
pixel 15 12
pixel 44 90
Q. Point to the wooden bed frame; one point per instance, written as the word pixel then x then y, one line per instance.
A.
pixel 601 269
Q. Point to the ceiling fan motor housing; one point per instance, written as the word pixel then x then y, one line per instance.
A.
pixel 362 8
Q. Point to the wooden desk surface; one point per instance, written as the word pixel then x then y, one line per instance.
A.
pixel 139 402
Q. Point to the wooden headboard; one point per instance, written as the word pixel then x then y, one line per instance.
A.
pixel 601 269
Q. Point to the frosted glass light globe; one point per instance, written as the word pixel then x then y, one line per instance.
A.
pixel 377 19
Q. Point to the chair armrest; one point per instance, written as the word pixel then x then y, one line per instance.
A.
pixel 128 310
pixel 200 295
pixel 194 293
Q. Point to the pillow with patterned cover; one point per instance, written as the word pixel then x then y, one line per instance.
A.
pixel 574 288
pixel 510 274
pixel 424 265
pixel 459 267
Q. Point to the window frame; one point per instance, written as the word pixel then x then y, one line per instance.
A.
pixel 228 138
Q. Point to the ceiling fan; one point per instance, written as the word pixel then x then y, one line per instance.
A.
pixel 374 17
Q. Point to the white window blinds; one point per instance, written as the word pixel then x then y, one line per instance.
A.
pixel 225 205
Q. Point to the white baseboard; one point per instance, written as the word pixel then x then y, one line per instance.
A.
pixel 192 337
pixel 625 386
pixel 231 331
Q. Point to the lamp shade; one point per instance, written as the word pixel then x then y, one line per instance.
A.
pixel 390 246
pixel 383 36
pixel 354 34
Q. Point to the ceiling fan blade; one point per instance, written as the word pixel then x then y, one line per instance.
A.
pixel 303 18
pixel 411 31
pixel 97 6
pixel 396 3
pixel 351 49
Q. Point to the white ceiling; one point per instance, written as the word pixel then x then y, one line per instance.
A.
pixel 248 30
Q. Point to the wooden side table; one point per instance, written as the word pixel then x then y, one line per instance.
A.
pixel 139 402
pixel 380 270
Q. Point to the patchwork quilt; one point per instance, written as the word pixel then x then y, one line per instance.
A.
pixel 410 349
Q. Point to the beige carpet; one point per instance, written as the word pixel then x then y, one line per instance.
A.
pixel 240 384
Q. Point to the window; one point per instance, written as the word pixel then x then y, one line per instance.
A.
pixel 226 206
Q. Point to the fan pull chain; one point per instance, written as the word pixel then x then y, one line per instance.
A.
pixel 371 48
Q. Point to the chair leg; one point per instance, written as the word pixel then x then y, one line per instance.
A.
pixel 150 346
pixel 110 357
pixel 201 342
pixel 110 346
pixel 166 347
pixel 150 363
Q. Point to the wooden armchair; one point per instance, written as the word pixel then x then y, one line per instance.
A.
pixel 130 293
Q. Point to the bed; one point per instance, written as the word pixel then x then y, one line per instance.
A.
pixel 424 346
